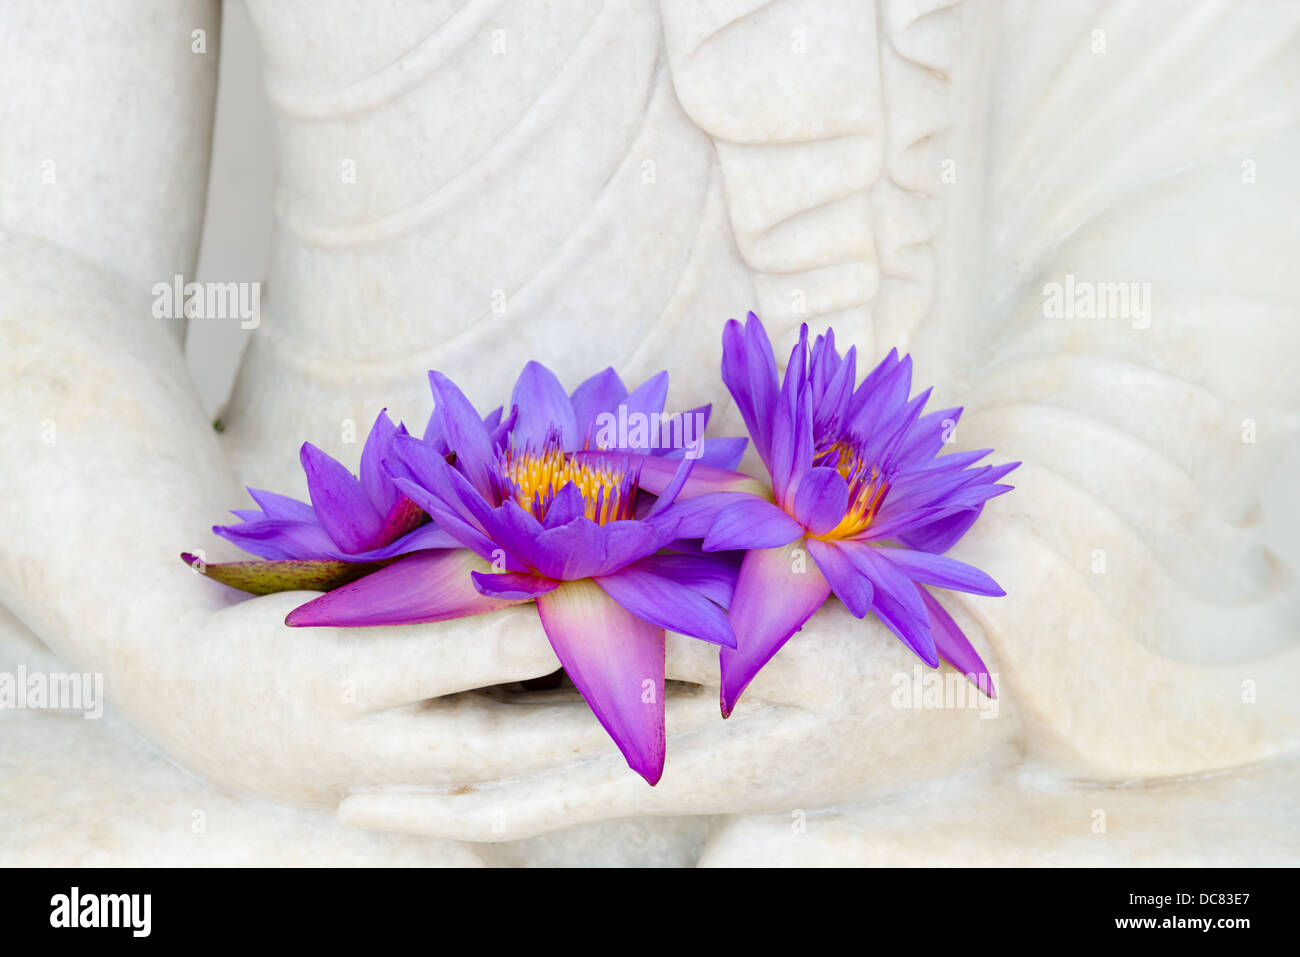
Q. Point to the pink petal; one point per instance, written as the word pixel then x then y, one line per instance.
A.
pixel 422 586
pixel 617 661
pixel 778 590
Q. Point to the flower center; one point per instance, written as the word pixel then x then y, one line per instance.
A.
pixel 868 487
pixel 533 480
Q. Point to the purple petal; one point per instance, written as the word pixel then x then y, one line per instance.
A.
pixel 777 592
pixel 341 507
pixel 913 490
pixel 616 660
pixel 513 586
pixel 668 604
pixel 427 479
pixel 674 488
pixel 374 480
pixel 926 438
pixel 789 471
pixel 956 460
pixel 516 531
pixel 875 402
pixel 645 402
pixel 693 517
pixel 821 499
pixel 582 549
pixel 543 405
pixel 889 433
pixel 422 586
pixel 792 427
pixel 975 496
pixel 871 380
pixel 749 372
pixel 425 537
pixel 944 472
pixel 278 539
pixel 601 393
pixel 940 532
pixel 928 569
pixel 713 576
pixel 446 494
pixel 463 431
pixel 281 506
pixel 498 428
pixel 403 517
pixel 449 520
pixel 684 431
pixel 649 397
pixel 886 526
pixel 895 600
pixel 964 487
pixel 850 585
pixel 831 409
pixel 954 647
pixel 566 505
pixel 751 523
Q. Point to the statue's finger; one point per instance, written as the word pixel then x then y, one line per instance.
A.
pixel 701 777
pixel 396 665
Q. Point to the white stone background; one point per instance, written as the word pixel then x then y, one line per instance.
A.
pixel 68 830
pixel 237 239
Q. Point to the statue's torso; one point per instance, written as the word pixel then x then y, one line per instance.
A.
pixel 501 183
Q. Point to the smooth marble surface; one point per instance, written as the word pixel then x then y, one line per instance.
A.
pixel 465 186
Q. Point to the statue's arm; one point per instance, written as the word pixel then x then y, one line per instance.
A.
pixel 111 469
pixel 107 127
pixel 103 161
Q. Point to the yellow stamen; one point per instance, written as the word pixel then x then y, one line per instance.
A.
pixel 867 489
pixel 537 477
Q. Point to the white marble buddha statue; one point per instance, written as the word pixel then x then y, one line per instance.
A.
pixel 464 186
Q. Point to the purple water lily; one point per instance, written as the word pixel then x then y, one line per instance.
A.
pixel 602 414
pixel 857 484
pixel 353 525
pixel 545 517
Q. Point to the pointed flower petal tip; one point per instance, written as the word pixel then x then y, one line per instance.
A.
pixel 617 661
pixel 650 772
pixel 953 645
pixel 777 591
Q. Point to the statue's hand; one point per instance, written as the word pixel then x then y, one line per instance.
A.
pixel 112 470
pixel 310 715
pixel 827 720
